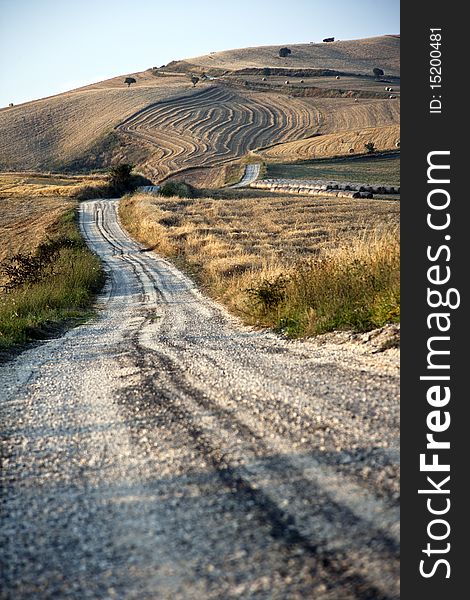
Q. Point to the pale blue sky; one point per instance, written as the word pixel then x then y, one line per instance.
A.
pixel 50 46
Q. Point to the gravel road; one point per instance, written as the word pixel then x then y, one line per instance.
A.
pixel 164 451
pixel 250 174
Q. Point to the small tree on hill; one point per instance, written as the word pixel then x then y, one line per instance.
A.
pixel 284 52
pixel 370 147
pixel 194 80
pixel 129 80
pixel 378 73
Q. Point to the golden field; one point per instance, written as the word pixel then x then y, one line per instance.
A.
pixel 165 126
pixel 351 55
pixel 335 144
pixel 235 245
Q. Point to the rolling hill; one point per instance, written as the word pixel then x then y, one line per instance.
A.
pixel 355 56
pixel 164 125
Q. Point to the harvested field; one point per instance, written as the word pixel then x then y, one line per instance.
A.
pixel 233 245
pixel 354 56
pixel 345 83
pixel 335 144
pixel 26 221
pixel 41 184
pixel 367 169
pixel 217 125
pixel 164 125
pixel 49 133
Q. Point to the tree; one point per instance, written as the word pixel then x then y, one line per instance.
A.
pixel 129 80
pixel 284 52
pixel 378 72
pixel 194 80
pixel 370 147
pixel 120 178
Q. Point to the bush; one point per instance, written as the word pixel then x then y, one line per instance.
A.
pixel 177 188
pixel 370 147
pixel 269 294
pixel 378 73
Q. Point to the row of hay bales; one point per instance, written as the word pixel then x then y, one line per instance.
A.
pixel 309 190
pixel 332 185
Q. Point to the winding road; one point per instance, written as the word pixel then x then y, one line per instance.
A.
pixel 250 174
pixel 162 450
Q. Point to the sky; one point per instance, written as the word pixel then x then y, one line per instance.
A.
pixel 51 46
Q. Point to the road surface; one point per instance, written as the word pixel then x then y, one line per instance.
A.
pixel 162 451
pixel 250 174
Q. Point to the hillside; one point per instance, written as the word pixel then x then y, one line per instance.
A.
pixel 355 56
pixel 164 125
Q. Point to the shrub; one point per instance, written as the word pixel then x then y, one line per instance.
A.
pixel 370 147
pixel 270 293
pixel 378 73
pixel 177 188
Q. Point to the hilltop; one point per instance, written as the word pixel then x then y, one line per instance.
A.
pixel 355 56
pixel 243 103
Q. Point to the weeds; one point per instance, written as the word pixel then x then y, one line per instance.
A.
pixel 44 289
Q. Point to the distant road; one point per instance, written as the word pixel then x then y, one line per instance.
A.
pixel 251 174
pixel 162 450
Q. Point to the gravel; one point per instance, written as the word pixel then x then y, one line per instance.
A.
pixel 163 450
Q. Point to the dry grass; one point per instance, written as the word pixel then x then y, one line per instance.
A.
pixel 24 185
pixel 26 221
pixel 354 56
pixel 232 246
pixel 47 133
pixel 163 125
pixel 29 219
pixel 335 144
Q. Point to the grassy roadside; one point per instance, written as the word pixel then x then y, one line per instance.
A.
pixel 48 293
pixel 300 266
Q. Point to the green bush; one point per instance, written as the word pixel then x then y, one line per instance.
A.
pixel 177 188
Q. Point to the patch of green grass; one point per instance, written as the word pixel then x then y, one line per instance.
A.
pixel 361 169
pixel 62 293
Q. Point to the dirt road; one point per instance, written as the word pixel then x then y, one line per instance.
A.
pixel 164 451
pixel 250 174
